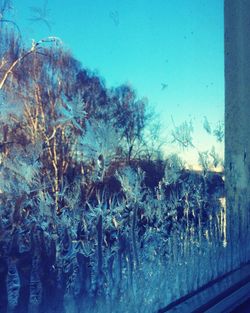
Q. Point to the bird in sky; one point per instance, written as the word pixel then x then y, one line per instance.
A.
pixel 163 86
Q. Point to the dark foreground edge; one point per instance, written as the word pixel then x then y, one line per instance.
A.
pixel 222 294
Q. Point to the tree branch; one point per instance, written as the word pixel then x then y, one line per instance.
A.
pixel 33 49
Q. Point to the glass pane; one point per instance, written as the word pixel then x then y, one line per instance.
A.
pixel 112 154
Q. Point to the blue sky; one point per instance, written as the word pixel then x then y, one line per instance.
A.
pixel 178 43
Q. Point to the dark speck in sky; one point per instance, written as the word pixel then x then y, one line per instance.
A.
pixel 163 86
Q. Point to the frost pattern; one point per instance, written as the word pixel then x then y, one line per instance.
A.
pixel 13 285
pixel 35 283
pixel 92 219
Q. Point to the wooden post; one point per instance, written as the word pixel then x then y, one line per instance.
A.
pixel 237 127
